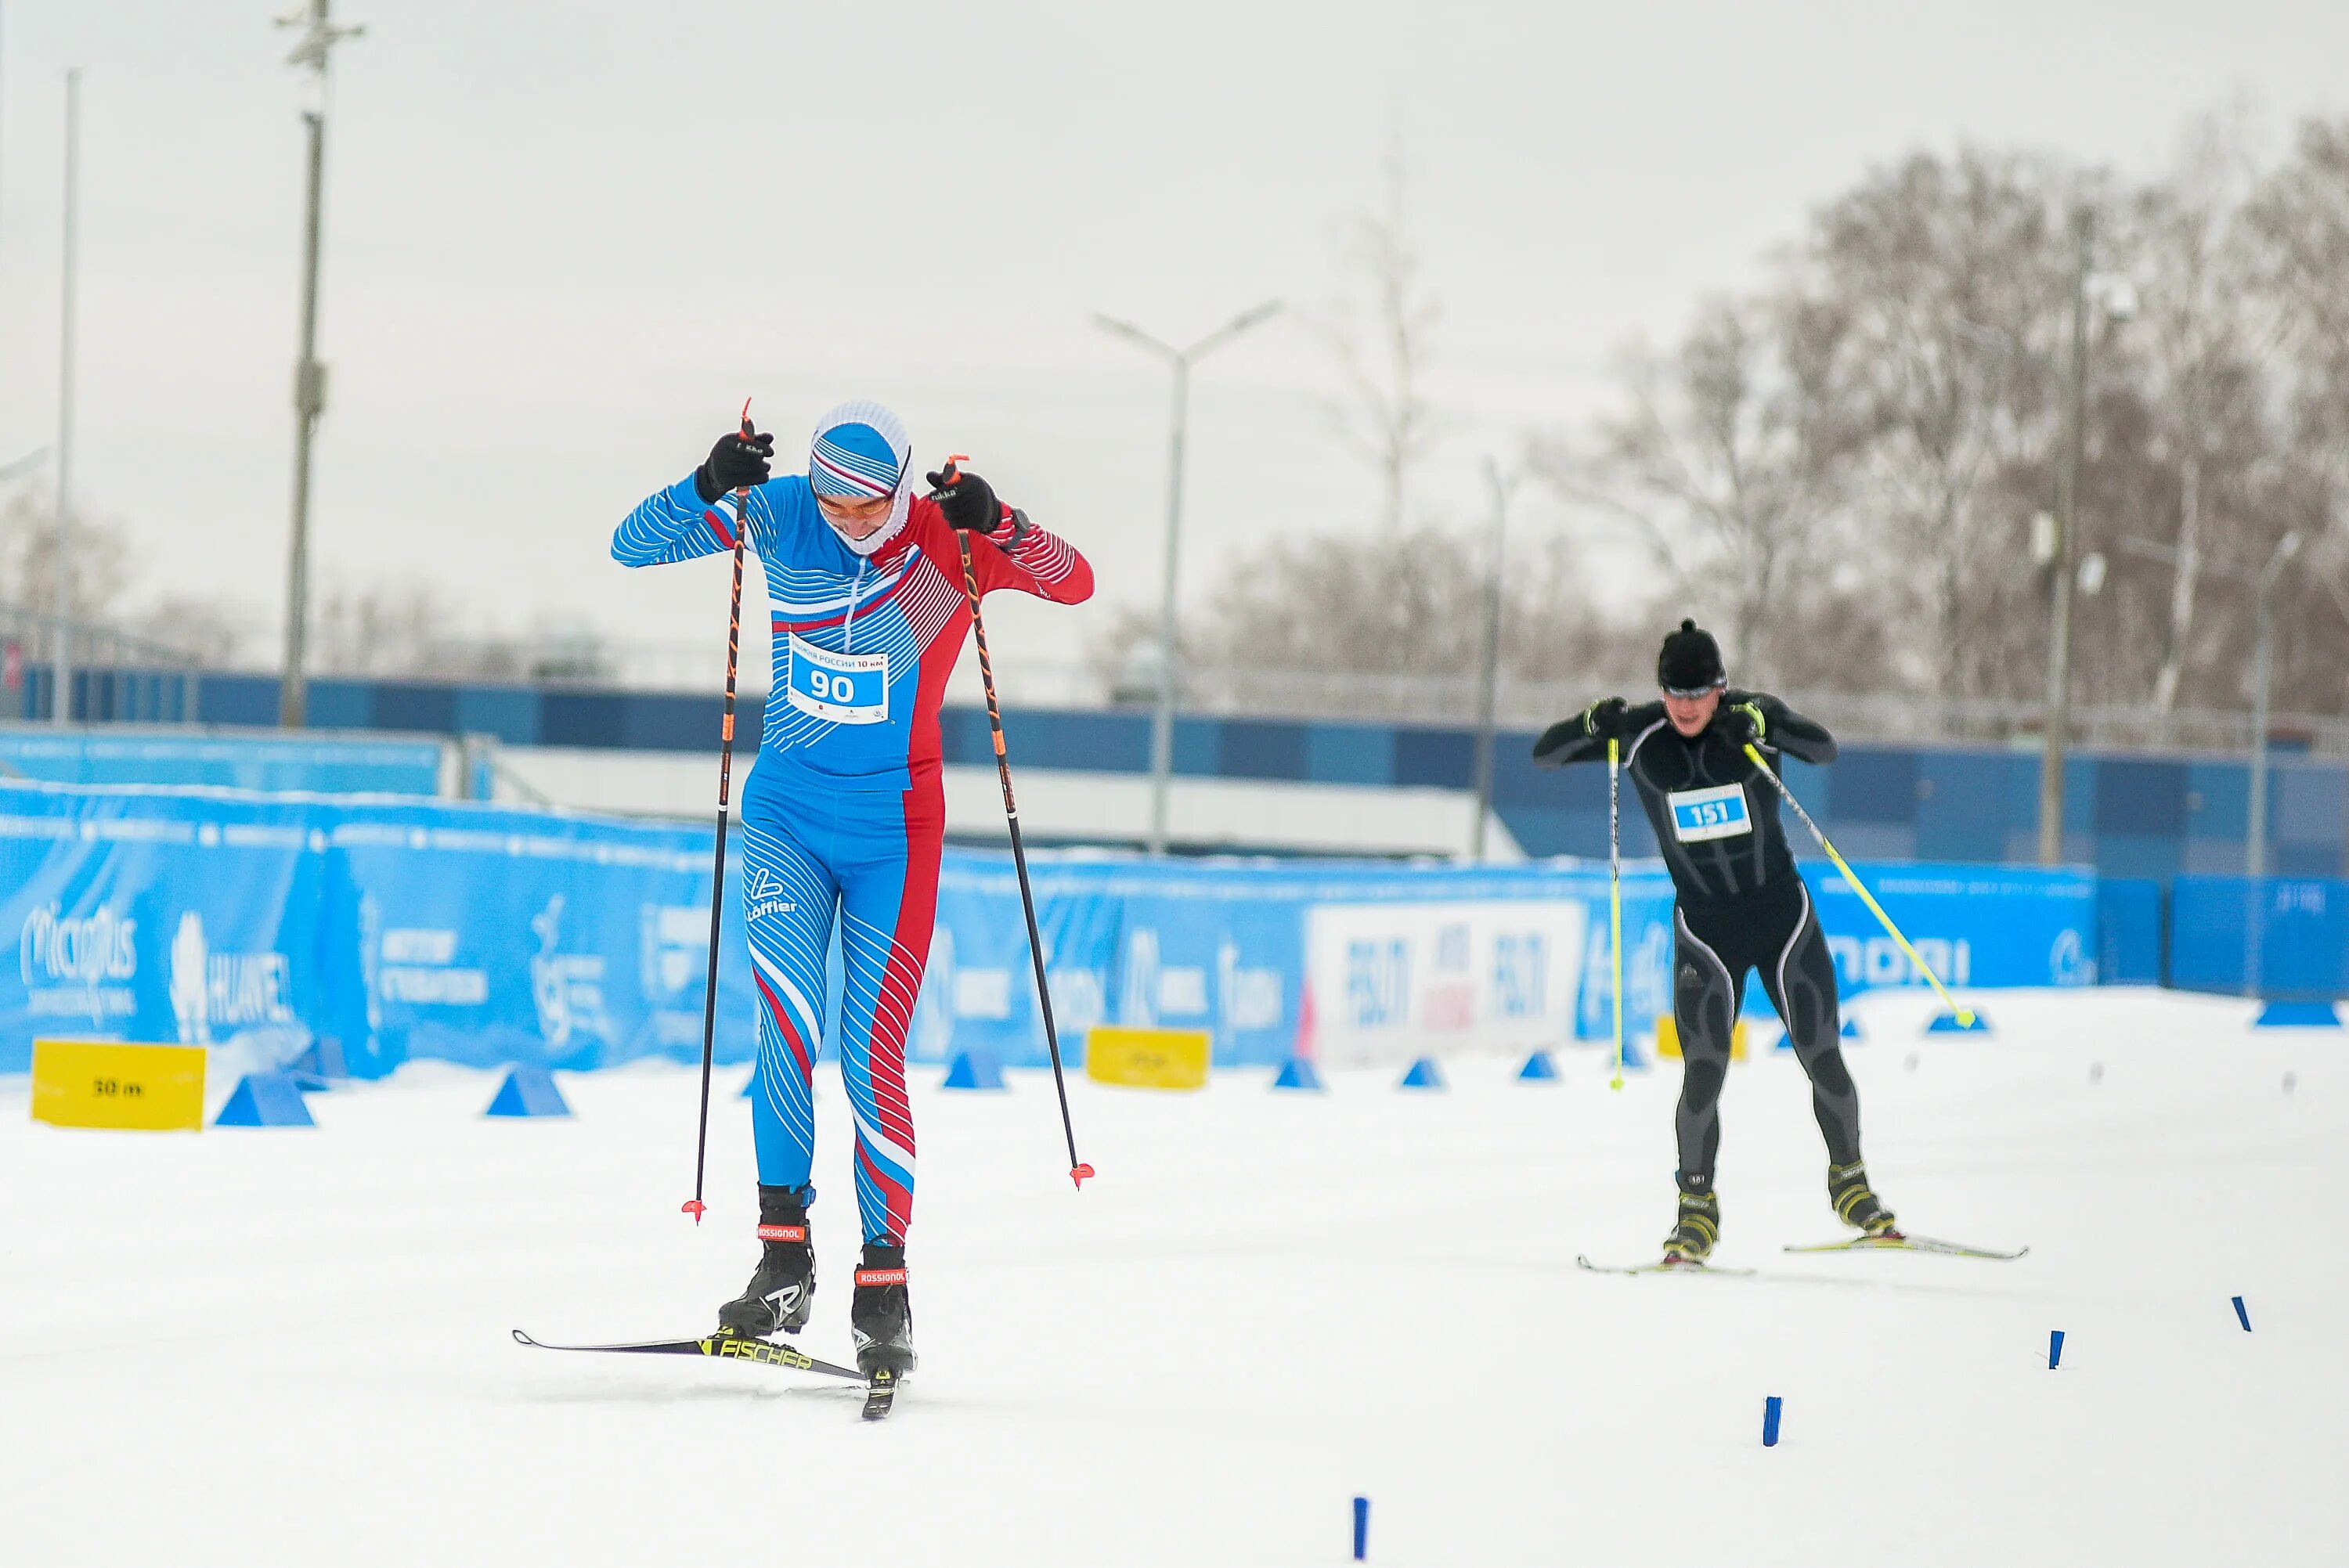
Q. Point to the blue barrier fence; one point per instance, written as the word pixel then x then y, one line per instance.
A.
pixel 2128 815
pixel 486 934
pixel 2282 937
pixel 324 764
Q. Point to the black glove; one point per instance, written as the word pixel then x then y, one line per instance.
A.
pixel 736 462
pixel 968 500
pixel 1744 720
pixel 1603 719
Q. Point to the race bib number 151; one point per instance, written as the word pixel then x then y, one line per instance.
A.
pixel 1717 813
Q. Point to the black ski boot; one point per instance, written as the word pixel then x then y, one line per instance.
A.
pixel 1698 1228
pixel 881 1317
pixel 778 1298
pixel 1856 1204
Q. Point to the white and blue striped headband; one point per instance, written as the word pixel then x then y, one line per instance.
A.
pixel 858 449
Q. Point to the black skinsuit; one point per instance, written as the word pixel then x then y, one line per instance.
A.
pixel 1741 905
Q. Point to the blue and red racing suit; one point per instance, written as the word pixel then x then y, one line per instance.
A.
pixel 844 810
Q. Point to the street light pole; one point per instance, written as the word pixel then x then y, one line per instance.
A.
pixel 61 569
pixel 2255 848
pixel 2062 570
pixel 1489 685
pixel 1161 714
pixel 1162 720
pixel 319 39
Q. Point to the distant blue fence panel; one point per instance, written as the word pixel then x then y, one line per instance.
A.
pixel 2275 936
pixel 2128 931
pixel 486 934
pixel 232 762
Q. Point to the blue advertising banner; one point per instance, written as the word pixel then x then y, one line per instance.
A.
pixel 2276 936
pixel 485 934
pixel 136 919
pixel 1976 925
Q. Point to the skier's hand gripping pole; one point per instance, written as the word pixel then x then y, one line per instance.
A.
pixel 1965 1015
pixel 694 1205
pixel 1078 1169
pixel 1615 891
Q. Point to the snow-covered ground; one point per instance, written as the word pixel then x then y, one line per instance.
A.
pixel 291 1346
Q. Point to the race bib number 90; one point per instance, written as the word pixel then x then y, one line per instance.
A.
pixel 844 688
pixel 1701 814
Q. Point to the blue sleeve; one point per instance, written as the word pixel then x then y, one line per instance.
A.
pixel 673 524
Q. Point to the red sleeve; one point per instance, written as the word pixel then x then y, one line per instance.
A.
pixel 1040 563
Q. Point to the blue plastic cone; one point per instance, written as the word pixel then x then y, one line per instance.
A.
pixel 1300 1073
pixel 528 1091
pixel 266 1099
pixel 2297 1015
pixel 1540 1068
pixel 1851 1030
pixel 974 1070
pixel 1422 1075
pixel 1947 1024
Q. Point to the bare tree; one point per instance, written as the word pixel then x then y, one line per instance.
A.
pixel 1951 278
pixel 213 634
pixel 1381 342
pixel 1727 464
pixel 2204 343
pixel 28 554
pixel 405 629
pixel 2300 217
pixel 1322 625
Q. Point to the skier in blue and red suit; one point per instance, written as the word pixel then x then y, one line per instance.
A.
pixel 843 811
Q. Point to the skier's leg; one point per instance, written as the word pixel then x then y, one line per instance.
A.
pixel 1704 1012
pixel 1801 982
pixel 788 898
pixel 888 905
pixel 1802 986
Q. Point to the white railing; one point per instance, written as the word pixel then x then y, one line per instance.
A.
pixel 144 681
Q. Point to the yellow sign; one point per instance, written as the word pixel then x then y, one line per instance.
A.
pixel 101 1083
pixel 1148 1058
pixel 1668 1038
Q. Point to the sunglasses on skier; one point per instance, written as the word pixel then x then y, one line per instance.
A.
pixel 841 509
pixel 1691 694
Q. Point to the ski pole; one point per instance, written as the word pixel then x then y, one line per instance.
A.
pixel 725 795
pixel 1615 893
pixel 1965 1015
pixel 1078 1169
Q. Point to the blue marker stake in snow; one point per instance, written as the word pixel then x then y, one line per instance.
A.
pixel 2242 1317
pixel 1361 1528
pixel 2055 1348
pixel 1770 1408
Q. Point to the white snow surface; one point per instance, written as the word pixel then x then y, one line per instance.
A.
pixel 289 1347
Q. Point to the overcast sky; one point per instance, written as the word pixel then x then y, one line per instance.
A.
pixel 564 242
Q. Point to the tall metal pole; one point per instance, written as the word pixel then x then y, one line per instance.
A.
pixel 1162 718
pixel 2255 836
pixel 2066 564
pixel 2255 847
pixel 61 569
pixel 309 377
pixel 4 118
pixel 1488 683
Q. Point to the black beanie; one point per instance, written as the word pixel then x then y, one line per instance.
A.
pixel 1691 660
